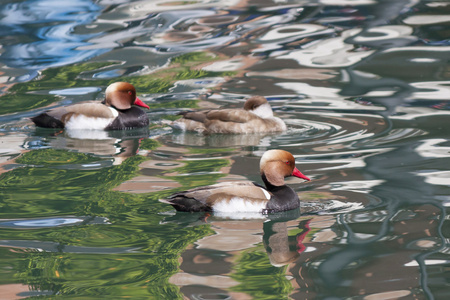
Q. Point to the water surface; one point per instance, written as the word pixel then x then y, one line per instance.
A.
pixel 362 85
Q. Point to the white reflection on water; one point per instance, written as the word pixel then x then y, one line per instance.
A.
pixel 426 19
pixel 45 223
pixel 139 9
pixel 357 186
pixel 293 32
pixel 385 33
pixel 11 144
pixel 52 222
pixel 325 98
pixel 428 262
pixel 44 246
pixel 98 135
pixel 75 91
pixel 226 65
pixel 341 160
pixel 432 90
pixel 430 148
pixel 329 53
pixel 436 177
pixel 394 135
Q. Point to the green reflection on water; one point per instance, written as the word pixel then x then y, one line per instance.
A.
pixel 48 157
pixel 149 144
pixel 27 96
pixel 41 189
pixel 259 278
pixel 132 255
pixel 199 166
pixel 210 165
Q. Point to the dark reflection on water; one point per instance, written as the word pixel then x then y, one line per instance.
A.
pixel 362 85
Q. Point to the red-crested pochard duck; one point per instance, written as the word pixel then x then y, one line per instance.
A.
pixel 235 197
pixel 256 117
pixel 115 112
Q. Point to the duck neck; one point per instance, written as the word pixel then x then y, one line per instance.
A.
pixel 267 183
pixel 284 197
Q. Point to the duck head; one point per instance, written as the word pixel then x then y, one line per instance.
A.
pixel 259 106
pixel 275 165
pixel 122 95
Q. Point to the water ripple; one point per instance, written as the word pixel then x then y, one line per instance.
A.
pixel 51 222
pixel 52 42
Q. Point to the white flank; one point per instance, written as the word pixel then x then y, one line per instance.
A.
pixel 83 122
pixel 237 204
pixel 263 111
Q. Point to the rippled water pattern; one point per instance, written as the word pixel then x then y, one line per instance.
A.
pixel 363 85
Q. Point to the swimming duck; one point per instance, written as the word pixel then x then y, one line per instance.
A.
pixel 256 117
pixel 234 197
pixel 115 112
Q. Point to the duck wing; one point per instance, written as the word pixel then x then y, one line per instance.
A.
pixel 224 115
pixel 231 115
pixel 197 116
pixel 57 117
pixel 208 197
pixel 218 121
pixel 228 121
pixel 88 109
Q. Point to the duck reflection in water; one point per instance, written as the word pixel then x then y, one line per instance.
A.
pixel 281 248
pixel 207 268
pixel 120 144
pixel 187 138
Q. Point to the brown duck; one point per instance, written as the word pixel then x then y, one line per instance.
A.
pixel 256 117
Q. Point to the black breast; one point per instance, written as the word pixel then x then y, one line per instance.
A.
pixel 284 198
pixel 130 118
